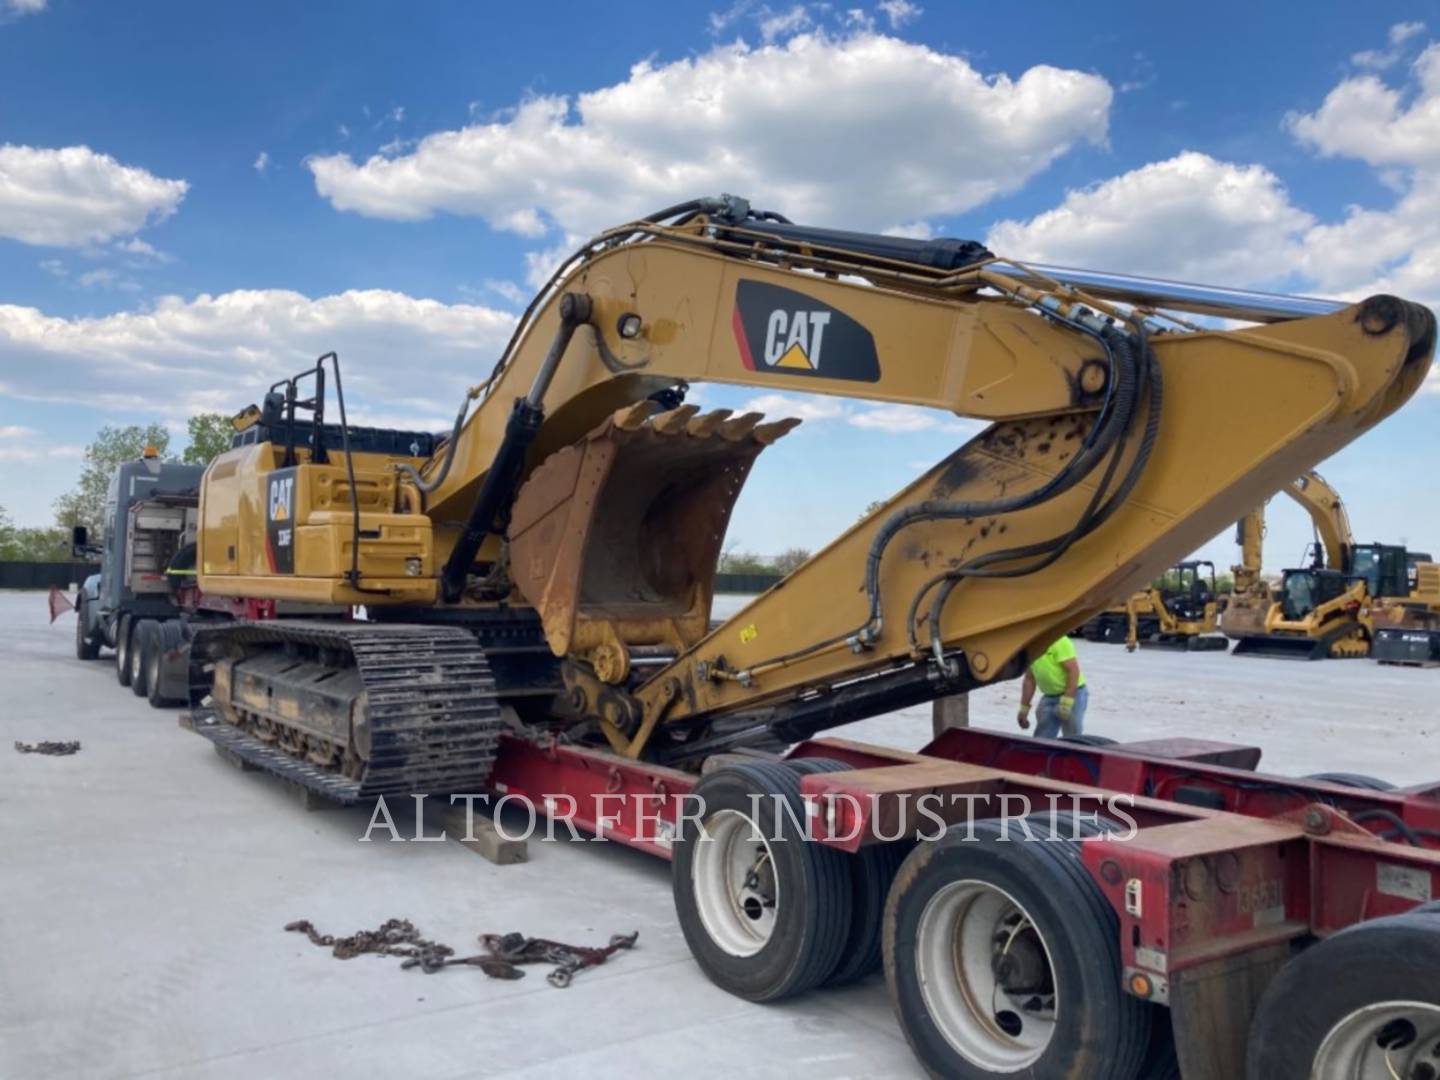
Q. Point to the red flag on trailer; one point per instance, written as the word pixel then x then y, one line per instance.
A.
pixel 59 603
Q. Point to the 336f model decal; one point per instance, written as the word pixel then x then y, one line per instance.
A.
pixel 789 333
pixel 279 522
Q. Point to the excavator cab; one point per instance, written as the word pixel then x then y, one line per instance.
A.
pixel 1192 591
pixel 1385 568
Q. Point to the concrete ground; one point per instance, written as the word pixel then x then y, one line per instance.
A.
pixel 146 883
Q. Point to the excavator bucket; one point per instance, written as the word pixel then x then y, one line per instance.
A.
pixel 1283 648
pixel 615 539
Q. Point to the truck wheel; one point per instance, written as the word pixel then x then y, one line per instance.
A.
pixel 122 650
pixel 1003 959
pixel 765 911
pixel 1362 1003
pixel 1355 780
pixel 87 646
pixel 141 640
pixel 167 636
pixel 872 869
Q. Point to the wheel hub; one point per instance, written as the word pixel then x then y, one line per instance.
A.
pixel 1384 1041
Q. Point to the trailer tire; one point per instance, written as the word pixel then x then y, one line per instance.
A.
pixel 1355 780
pixel 142 639
pixel 169 635
pixel 721 905
pixel 965 882
pixel 1084 739
pixel 872 870
pixel 123 630
pixel 87 645
pixel 1367 995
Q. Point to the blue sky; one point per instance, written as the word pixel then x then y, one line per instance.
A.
pixel 196 198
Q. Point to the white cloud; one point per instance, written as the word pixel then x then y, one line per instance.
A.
pixel 74 197
pixel 16 431
pixel 16 8
pixel 507 290
pixel 105 278
pixel 862 131
pixel 1365 118
pixel 781 24
pixel 1189 217
pixel 1396 130
pixel 221 352
pixel 904 419
pixel 262 162
pixel 811 409
pixel 900 12
pixel 1380 59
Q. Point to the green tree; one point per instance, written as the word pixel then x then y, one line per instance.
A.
pixel 210 434
pixel 743 562
pixel 871 507
pixel 113 446
pixel 789 560
pixel 19 544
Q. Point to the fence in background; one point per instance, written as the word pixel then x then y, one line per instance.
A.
pixel 41 575
pixel 744 583
pixel 37 575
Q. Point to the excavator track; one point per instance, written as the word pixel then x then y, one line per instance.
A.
pixel 428 700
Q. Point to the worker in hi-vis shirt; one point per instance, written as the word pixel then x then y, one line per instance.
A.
pixel 1063 695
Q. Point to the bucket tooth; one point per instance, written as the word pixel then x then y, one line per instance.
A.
pixel 633 417
pixel 768 434
pixel 741 426
pixel 702 427
pixel 674 421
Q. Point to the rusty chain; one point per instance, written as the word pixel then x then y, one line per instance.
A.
pixel 504 953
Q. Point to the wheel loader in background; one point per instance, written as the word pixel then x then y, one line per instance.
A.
pixel 538 593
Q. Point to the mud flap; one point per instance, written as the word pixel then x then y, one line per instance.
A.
pixel 615 539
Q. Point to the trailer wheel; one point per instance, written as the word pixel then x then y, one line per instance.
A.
pixel 872 870
pixel 142 639
pixel 168 635
pixel 1363 1003
pixel 1002 959
pixel 1084 739
pixel 765 911
pixel 122 650
pixel 1355 780
pixel 87 645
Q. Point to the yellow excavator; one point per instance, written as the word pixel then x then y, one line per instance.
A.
pixel 1180 610
pixel 549 567
pixel 1323 610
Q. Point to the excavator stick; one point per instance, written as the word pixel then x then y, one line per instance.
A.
pixel 615 539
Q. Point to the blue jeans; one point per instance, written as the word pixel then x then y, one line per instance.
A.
pixel 1047 716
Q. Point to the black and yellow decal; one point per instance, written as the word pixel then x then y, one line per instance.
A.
pixel 280 521
pixel 789 333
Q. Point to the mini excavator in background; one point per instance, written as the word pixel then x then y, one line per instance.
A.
pixel 1179 610
pixel 548 568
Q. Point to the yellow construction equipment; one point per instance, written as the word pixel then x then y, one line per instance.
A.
pixel 555 554
pixel 1327 608
pixel 1180 610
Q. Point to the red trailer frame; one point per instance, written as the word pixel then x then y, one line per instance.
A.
pixel 1224 870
